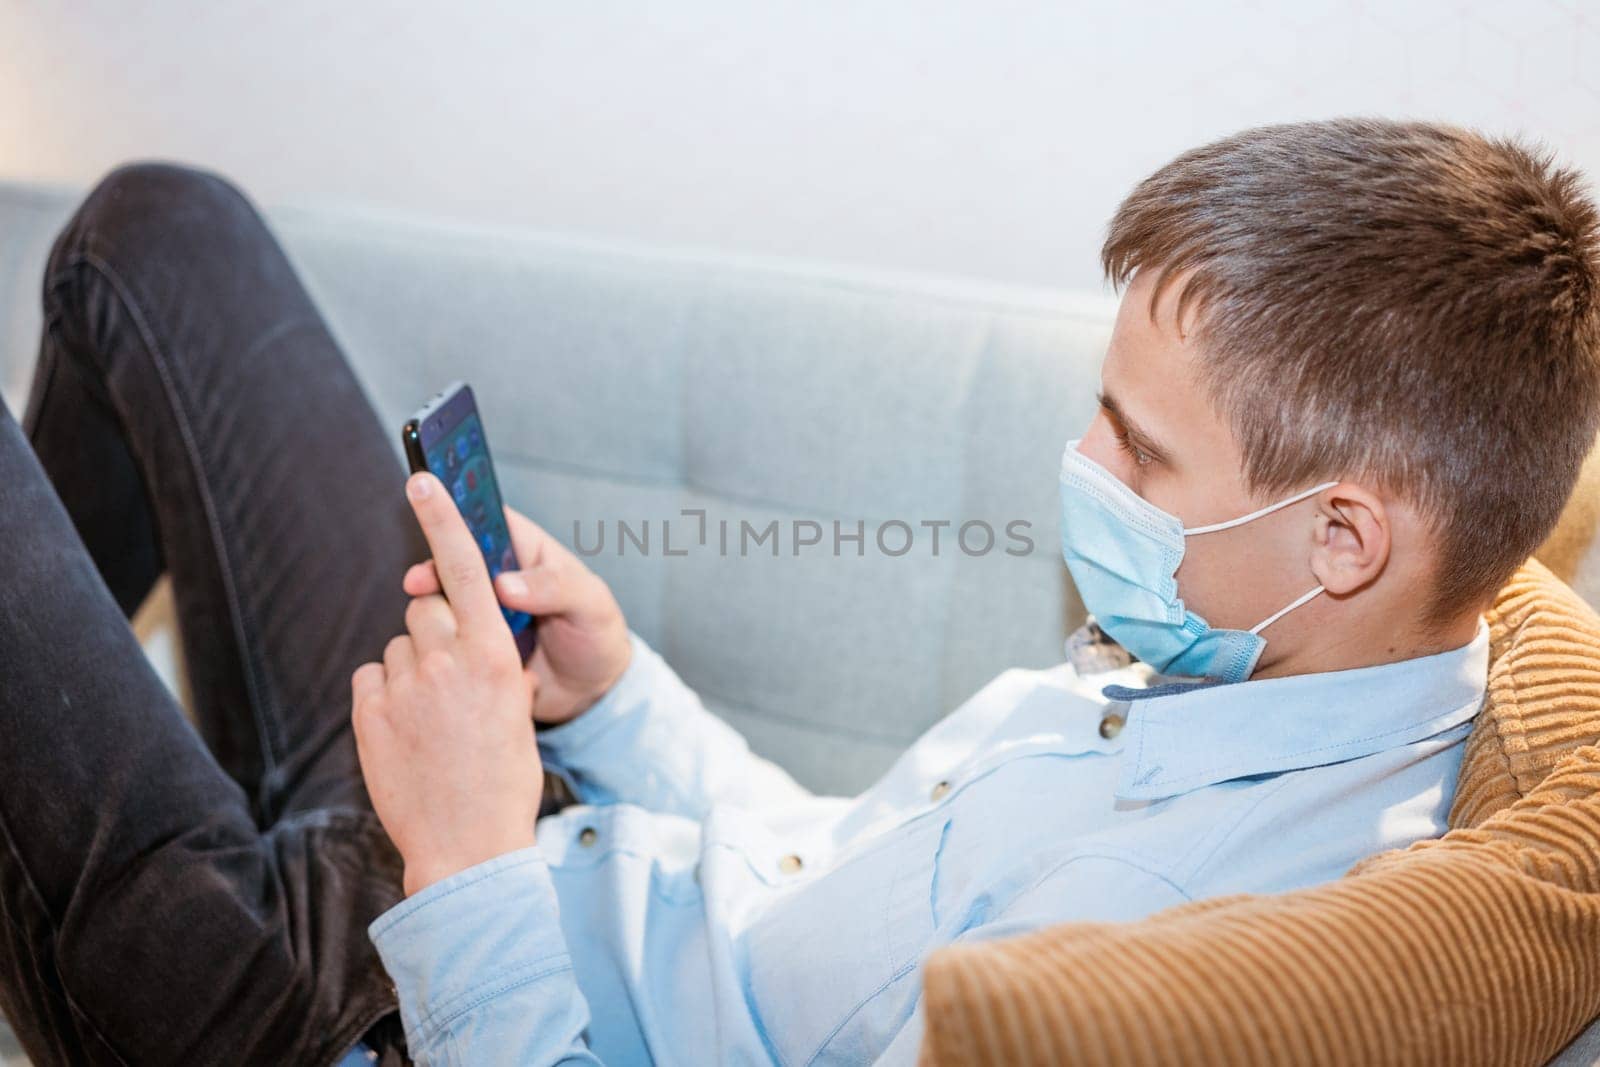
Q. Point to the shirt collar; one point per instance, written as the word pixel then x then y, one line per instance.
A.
pixel 1189 737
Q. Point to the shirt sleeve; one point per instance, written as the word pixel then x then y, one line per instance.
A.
pixel 651 742
pixel 481 968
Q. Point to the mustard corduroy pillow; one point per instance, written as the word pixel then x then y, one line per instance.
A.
pixel 1480 947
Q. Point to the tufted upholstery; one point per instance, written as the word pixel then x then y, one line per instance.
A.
pixel 623 385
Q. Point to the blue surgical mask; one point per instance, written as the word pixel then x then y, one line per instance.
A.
pixel 1124 552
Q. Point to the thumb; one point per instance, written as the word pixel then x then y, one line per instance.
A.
pixel 537 591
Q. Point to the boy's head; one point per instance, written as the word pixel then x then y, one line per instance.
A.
pixel 1408 309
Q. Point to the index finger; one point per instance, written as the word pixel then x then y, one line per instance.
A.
pixel 456 555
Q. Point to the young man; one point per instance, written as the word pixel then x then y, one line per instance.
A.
pixel 1354 374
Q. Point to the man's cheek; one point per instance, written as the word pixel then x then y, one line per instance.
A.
pixel 1211 584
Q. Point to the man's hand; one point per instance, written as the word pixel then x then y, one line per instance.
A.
pixel 441 725
pixel 583 639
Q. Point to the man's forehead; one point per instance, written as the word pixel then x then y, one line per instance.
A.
pixel 1139 314
pixel 1145 353
pixel 1148 368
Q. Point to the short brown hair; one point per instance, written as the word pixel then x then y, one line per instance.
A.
pixel 1405 302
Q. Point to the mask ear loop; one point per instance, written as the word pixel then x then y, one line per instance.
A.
pixel 1281 612
pixel 1268 510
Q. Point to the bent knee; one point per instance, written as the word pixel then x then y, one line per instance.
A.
pixel 146 207
pixel 172 185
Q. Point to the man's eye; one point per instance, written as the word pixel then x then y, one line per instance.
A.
pixel 1139 455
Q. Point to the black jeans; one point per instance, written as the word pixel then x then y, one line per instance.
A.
pixel 167 897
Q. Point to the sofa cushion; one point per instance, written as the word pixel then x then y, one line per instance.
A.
pixel 1478 947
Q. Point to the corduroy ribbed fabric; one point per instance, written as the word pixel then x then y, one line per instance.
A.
pixel 1480 947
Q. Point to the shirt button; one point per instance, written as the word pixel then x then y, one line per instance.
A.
pixel 790 863
pixel 940 791
pixel 1110 726
pixel 588 836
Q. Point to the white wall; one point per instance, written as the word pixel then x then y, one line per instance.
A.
pixel 988 138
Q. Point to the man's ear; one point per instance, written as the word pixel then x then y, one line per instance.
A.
pixel 1352 538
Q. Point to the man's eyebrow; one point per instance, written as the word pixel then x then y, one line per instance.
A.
pixel 1135 432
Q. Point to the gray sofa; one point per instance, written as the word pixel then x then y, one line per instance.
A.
pixel 633 385
pixel 620 384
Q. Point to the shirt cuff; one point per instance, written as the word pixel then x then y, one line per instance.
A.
pixel 560 745
pixel 478 934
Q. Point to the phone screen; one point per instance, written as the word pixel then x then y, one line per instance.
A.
pixel 451 440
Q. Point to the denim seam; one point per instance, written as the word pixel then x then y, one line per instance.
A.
pixel 682 795
pixel 383 925
pixel 1094 854
pixel 677 900
pixel 1298 753
pixel 55 931
pixel 913 842
pixel 899 973
pixel 440 1017
pixel 253 682
pixel 44 387
pixel 1267 794
pixel 579 734
pixel 282 327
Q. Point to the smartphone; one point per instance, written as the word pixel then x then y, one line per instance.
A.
pixel 446 439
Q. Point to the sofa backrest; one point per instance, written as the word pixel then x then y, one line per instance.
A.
pixel 622 385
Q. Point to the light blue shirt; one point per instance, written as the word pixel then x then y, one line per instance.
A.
pixel 700 907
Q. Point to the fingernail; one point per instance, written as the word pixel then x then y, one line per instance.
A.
pixel 512 585
pixel 420 487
